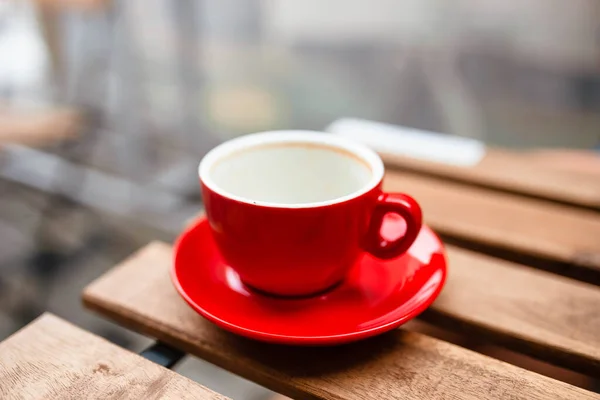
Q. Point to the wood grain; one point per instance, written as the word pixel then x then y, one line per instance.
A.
pixel 52 359
pixel 554 234
pixel 534 312
pixel 400 364
pixel 512 172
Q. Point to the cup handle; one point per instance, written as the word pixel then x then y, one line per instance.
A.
pixel 406 207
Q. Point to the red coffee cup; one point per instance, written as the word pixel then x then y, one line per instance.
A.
pixel 291 211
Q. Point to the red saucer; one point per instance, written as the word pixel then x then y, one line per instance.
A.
pixel 376 297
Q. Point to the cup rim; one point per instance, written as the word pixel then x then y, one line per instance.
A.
pixel 361 151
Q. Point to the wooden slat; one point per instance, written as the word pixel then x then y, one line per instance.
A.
pixel 52 359
pixel 513 172
pixel 562 238
pixel 401 364
pixel 547 316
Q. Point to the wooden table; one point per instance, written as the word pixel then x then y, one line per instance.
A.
pixel 524 265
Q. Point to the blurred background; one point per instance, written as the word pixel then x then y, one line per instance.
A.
pixel 106 108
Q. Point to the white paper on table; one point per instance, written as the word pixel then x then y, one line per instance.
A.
pixel 409 142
